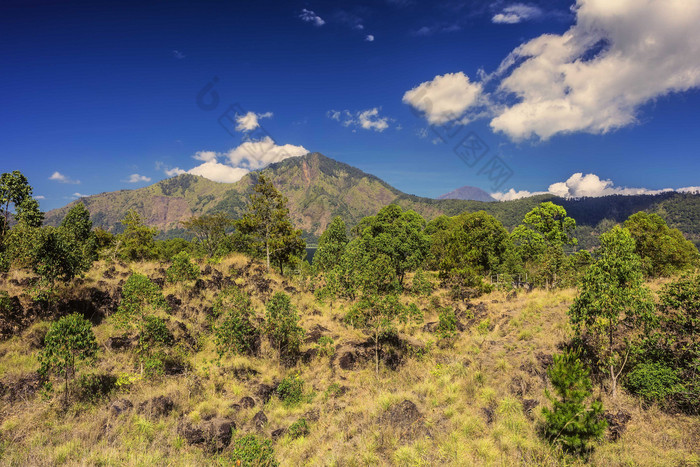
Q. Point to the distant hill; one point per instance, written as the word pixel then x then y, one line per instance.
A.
pixel 468 193
pixel 319 188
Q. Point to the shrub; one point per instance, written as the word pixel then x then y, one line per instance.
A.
pixel 281 325
pixel 325 346
pixel 251 451
pixel 421 284
pixel 93 387
pixel 182 269
pixel 654 381
pixel 291 390
pixel 569 422
pixel 138 294
pixel 68 342
pixel 235 333
pixel 447 323
pixel 298 428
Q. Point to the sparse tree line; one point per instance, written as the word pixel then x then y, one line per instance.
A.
pixel 623 333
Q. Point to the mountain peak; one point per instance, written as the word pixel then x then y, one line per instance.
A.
pixel 468 193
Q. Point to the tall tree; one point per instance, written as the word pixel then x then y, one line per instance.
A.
pixel 77 227
pixel 541 239
pixel 137 241
pixel 210 230
pixel 614 307
pixel 331 245
pixel 14 190
pixel 268 227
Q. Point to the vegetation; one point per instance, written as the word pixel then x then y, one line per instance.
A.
pixel 182 269
pixel 282 325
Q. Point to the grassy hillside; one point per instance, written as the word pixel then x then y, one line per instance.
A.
pixel 320 188
pixel 474 401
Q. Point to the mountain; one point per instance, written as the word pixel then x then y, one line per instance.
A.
pixel 468 193
pixel 319 188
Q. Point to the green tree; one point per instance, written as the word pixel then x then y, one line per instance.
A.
pixel 379 314
pixel 210 231
pixel 663 250
pixel 15 190
pixel 68 342
pixel 77 228
pixel 55 256
pixel 234 331
pixel 137 242
pixel 614 307
pixel 541 239
pixel 182 269
pixel 570 422
pixel 282 325
pixel 268 227
pixel 397 234
pixel 331 245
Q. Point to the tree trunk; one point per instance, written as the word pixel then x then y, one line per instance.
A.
pixel 613 381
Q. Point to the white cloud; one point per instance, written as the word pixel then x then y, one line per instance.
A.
pixel 618 56
pixel 254 155
pixel 79 195
pixel 249 121
pixel 516 13
pixel 689 189
pixel 369 38
pixel 59 177
pixel 40 197
pixel 447 97
pixel 311 17
pixel 366 119
pixel 219 172
pixel 136 178
pixel 580 186
pixel 594 77
pixel 205 156
pixel 174 171
pixel 177 54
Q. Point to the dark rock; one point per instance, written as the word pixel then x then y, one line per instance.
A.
pixel 120 406
pixel 315 333
pixel 117 343
pixel 24 388
pixel 406 419
pixel 259 420
pixel 173 367
pixel 173 302
pixel 488 414
pixel 207 270
pixel 347 361
pixel 617 423
pixel 430 327
pixel 519 386
pixel 220 432
pixel 247 402
pixel 265 392
pixel 159 281
pixel 312 415
pixel 191 433
pixel 529 406
pixel 278 433
pixel 309 355
pixel 159 406
pixel 35 338
pixel 181 334
pixel 244 373
pixel 545 360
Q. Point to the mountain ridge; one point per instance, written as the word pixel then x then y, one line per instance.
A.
pixel 467 192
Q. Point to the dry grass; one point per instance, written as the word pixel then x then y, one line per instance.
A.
pixel 470 394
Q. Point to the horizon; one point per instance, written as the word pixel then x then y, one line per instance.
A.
pixel 516 98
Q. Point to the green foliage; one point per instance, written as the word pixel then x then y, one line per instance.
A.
pixel 421 285
pixel 137 242
pixel 540 241
pixel 570 422
pixel 93 387
pixel 56 256
pixel 154 332
pixel 68 342
pixel 397 235
pixel 77 228
pixel 663 250
pixel 182 269
pixel 654 381
pixel 325 346
pixel 140 296
pixel 282 325
pixel 251 451
pixel 267 228
pixel 291 390
pixel 466 283
pixel 447 323
pixel 331 245
pixel 167 250
pixel 210 231
pixel 613 307
pixel 15 190
pixel 298 429
pixel 235 332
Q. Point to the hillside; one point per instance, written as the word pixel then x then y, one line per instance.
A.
pixel 319 188
pixel 472 400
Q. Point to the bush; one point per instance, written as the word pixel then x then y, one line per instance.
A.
pixel 421 284
pixel 298 428
pixel 93 387
pixel 235 334
pixel 325 346
pixel 654 381
pixel 182 269
pixel 138 294
pixel 281 325
pixel 291 390
pixel 447 323
pixel 570 423
pixel 251 451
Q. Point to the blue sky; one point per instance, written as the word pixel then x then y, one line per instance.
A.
pixel 585 98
